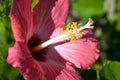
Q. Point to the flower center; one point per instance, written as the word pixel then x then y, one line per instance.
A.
pixel 72 33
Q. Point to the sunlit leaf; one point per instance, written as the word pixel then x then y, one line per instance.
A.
pixel 88 8
pixel 34 3
pixel 111 71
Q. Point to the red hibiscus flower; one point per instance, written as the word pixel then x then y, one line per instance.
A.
pixel 43 50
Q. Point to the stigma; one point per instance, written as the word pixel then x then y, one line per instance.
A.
pixel 71 33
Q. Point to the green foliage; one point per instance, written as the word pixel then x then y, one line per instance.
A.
pixel 4 27
pixel 117 17
pixel 110 71
pixel 87 8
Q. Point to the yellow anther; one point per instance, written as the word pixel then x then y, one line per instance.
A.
pixel 72 31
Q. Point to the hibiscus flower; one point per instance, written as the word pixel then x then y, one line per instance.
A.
pixel 43 50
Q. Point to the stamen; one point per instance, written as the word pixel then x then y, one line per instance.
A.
pixel 89 25
pixel 72 33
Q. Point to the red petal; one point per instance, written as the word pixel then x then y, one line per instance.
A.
pixel 19 56
pixel 82 53
pixel 49 14
pixel 56 71
pixel 21 19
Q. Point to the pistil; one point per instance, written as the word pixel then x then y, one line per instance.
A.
pixel 72 33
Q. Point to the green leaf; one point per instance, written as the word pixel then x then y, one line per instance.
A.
pixel 34 3
pixel 117 16
pixel 1 8
pixel 2 39
pixel 110 71
pixel 2 59
pixel 88 8
pixel 8 72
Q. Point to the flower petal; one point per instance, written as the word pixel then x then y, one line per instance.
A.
pixel 19 56
pixel 17 53
pixel 21 19
pixel 48 15
pixel 82 53
pixel 56 71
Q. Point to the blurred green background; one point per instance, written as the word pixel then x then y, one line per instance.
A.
pixel 105 13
